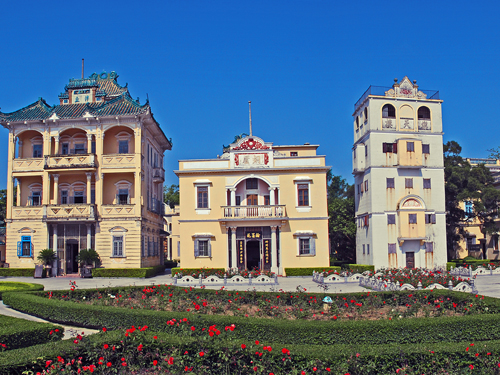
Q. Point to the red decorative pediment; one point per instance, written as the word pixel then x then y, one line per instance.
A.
pixel 251 144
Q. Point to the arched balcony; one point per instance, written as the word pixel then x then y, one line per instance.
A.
pixel 253 197
pixel 118 148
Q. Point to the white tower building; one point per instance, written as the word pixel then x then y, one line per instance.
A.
pixel 399 176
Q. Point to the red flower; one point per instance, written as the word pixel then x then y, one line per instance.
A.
pixel 202 354
pixel 106 346
pixel 256 342
pixel 243 346
pixel 104 329
pixel 192 328
pixel 170 360
pixel 108 364
pixel 155 362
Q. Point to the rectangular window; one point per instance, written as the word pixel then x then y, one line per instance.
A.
pixel 238 200
pixel 410 146
pixel 122 197
pixel 267 200
pixel 430 218
pixel 390 183
pixel 358 188
pixel 412 218
pixel 252 183
pixel 80 148
pixel 117 246
pixel 390 147
pixel 368 249
pixel 391 219
pixel 409 183
pixel 427 183
pixel 304 246
pixel 366 151
pixel 303 192
pixel 37 151
pixel 469 209
pixel 24 248
pixel 363 249
pixel 36 198
pixel 123 147
pixel 366 185
pixel 203 248
pixel 64 197
pixel 78 198
pixel 354 153
pixel 65 148
pixel 294 153
pixel 494 240
pixel 92 145
pixel 92 196
pixel 426 149
pixel 202 196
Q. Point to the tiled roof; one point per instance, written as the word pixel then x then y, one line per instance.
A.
pixel 80 83
pixel 121 105
pixel 39 110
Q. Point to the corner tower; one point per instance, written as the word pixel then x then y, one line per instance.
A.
pixel 399 177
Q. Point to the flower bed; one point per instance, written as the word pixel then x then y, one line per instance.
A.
pixel 415 275
pixel 219 272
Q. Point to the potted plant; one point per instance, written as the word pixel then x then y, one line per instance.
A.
pixel 87 258
pixel 47 257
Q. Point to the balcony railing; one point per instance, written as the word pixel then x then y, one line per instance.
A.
pixel 158 175
pixel 27 165
pixel 243 212
pixel 118 161
pixel 117 210
pixel 74 211
pixel 70 161
pixel 381 90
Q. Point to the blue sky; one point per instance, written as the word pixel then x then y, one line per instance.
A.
pixel 303 64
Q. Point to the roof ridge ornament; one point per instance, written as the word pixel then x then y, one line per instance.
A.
pixel 405 89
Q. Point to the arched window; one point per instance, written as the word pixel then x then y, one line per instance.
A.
pixel 388 111
pixel 424 113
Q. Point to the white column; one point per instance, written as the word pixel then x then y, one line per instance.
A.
pixel 233 248
pixel 89 186
pixel 89 143
pixel 233 196
pixel 89 236
pixel 54 238
pixel 272 196
pixel 18 195
pixel 274 251
pixel 56 188
pixel 56 148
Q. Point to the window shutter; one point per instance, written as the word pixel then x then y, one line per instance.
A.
pixel 196 249
pixel 366 220
pixel 312 245
pixel 19 248
pixel 210 248
pixel 395 148
pixel 433 218
pixel 31 249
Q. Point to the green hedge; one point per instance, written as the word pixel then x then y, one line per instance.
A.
pixel 128 272
pixel 11 286
pixel 378 332
pixel 309 271
pixel 360 268
pixel 226 356
pixel 450 265
pixel 29 272
pixel 20 333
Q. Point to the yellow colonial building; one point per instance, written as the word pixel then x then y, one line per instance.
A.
pixel 86 173
pixel 258 206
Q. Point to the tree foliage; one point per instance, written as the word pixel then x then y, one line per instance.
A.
pixel 171 195
pixel 341 223
pixel 3 204
pixel 464 182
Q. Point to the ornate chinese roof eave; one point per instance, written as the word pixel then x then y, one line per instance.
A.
pixel 36 111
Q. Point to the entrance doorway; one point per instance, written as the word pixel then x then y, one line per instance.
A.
pixel 71 255
pixel 410 259
pixel 253 255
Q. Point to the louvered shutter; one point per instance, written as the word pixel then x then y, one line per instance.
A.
pixel 312 243
pixel 210 248
pixel 31 249
pixel 19 248
pixel 395 148
pixel 196 249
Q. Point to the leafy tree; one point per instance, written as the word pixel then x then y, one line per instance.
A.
pixel 464 182
pixel 341 223
pixel 171 195
pixel 3 204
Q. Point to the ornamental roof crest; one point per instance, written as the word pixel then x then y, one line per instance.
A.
pixel 405 89
pixel 250 143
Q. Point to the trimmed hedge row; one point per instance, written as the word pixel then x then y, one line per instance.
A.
pixel 208 271
pixel 20 333
pixel 309 271
pixel 11 286
pixel 128 272
pixel 29 272
pixel 360 268
pixel 342 358
pixel 404 331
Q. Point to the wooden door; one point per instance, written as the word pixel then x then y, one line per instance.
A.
pixel 410 259
pixel 252 200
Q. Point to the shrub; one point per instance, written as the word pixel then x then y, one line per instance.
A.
pixel 29 272
pixel 450 265
pixel 309 271
pixel 128 272
pixel 11 286
pixel 360 268
pixel 20 333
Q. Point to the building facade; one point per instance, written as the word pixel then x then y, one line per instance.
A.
pixel 258 206
pixel 86 173
pixel 399 177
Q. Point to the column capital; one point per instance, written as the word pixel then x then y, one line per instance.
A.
pixel 89 136
pixel 56 138
pixel 231 189
pixel 89 175
pixel 271 188
pixel 56 177
pixel 274 227
pixel 233 229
